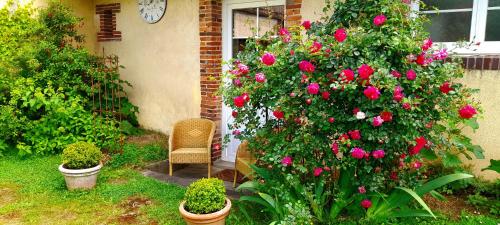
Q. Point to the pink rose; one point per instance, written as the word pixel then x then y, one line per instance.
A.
pixel 283 31
pixel 318 171
pixel 379 20
pixel 306 24
pixel 386 116
pixel 239 101
pixel 440 54
pixel 357 153
pixel 335 148
pixel 243 69
pixel 306 66
pixel 411 74
pixel 313 88
pixel 427 44
pixel 377 121
pixel 366 204
pixel 260 77
pixel 347 75
pixel 365 71
pixel 445 88
pixel 372 93
pixel 396 74
pixel 268 59
pixel 361 189
pixel 340 35
pixel 278 114
pixel 467 112
pixel 417 164
pixel 331 120
pixel 378 154
pixel 237 82
pixel 325 95
pixel 236 132
pixel 355 134
pixel 406 106
pixel 287 161
pixel 398 94
pixel 316 47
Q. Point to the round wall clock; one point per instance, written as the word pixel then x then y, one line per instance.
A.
pixel 152 11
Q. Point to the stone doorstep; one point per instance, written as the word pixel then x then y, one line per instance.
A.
pixel 184 174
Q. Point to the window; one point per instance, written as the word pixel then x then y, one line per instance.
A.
pixel 475 21
pixel 248 22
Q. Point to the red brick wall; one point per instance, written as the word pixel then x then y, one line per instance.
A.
pixel 107 22
pixel 211 65
pixel 292 13
pixel 491 62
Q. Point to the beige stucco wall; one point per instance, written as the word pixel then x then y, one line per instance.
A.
pixel 161 61
pixel 312 9
pixel 488 134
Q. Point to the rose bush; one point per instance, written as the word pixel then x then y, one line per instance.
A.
pixel 347 119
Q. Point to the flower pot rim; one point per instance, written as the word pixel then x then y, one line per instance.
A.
pixel 221 213
pixel 79 171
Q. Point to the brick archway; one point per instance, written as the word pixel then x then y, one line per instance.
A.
pixel 210 29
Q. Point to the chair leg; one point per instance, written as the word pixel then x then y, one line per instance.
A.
pixel 170 168
pixel 235 176
pixel 209 170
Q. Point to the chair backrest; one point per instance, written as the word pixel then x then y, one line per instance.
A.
pixel 193 133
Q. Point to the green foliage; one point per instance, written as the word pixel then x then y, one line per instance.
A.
pixel 494 165
pixel 298 213
pixel 48 84
pixel 81 155
pixel 205 196
pixel 135 156
pixel 287 114
pixel 486 196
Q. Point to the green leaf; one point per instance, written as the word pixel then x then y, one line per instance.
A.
pixel 494 165
pixel 428 154
pixel 478 151
pixel 451 160
pixel 419 200
pixel 249 185
pixel 438 196
pixel 472 123
pixel 438 182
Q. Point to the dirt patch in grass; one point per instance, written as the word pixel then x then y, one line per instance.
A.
pixel 148 139
pixel 8 195
pixel 453 207
pixel 132 211
pixel 12 218
pixel 118 181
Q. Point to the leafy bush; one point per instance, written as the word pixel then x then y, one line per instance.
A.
pixel 486 196
pixel 48 82
pixel 81 155
pixel 205 196
pixel 344 114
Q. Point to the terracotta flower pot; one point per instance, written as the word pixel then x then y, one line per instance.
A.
pixel 216 218
pixel 80 179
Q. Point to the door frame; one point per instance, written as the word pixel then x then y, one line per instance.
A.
pixel 229 151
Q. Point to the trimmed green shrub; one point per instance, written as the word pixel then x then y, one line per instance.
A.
pixel 205 196
pixel 81 155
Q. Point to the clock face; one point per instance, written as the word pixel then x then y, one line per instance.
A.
pixel 152 11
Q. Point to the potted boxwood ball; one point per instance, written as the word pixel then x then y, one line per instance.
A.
pixel 81 164
pixel 205 202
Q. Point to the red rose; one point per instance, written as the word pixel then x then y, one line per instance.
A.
pixel 268 59
pixel 331 120
pixel 245 97
pixel 306 24
pixel 355 134
pixel 306 66
pixel 347 75
pixel 234 113
pixel 365 71
pixel 239 101
pixel 411 74
pixel 406 106
pixel 467 112
pixel 427 44
pixel 325 95
pixel 421 60
pixel 396 74
pixel 340 35
pixel 366 204
pixel 386 116
pixel 372 93
pixel 313 88
pixel 379 20
pixel 445 88
pixel 316 47
pixel 278 114
pixel 398 94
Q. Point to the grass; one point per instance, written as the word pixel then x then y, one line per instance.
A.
pixel 33 192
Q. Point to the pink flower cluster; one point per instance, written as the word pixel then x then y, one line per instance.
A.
pixel 372 93
pixel 306 66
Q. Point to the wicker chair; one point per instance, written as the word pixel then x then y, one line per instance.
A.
pixel 190 142
pixel 243 161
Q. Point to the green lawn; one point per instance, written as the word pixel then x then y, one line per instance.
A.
pixel 32 191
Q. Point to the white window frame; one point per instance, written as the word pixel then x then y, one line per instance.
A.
pixel 477 31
